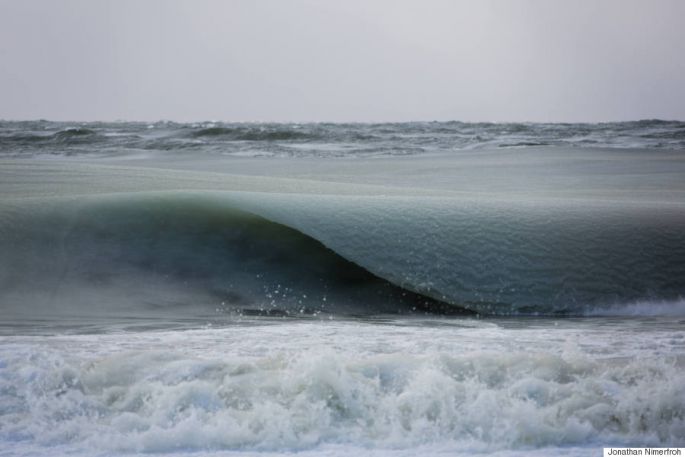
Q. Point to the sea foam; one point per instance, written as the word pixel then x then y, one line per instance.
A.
pixel 365 385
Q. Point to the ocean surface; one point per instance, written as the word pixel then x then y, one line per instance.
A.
pixel 432 288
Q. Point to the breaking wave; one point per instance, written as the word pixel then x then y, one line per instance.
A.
pixel 185 256
pixel 184 252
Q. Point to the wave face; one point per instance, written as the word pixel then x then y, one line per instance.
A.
pixel 324 140
pixel 263 252
pixel 504 257
pixel 180 256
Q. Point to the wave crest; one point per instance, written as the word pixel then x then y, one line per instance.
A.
pixel 252 134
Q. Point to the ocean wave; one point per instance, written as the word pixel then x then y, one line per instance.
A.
pixel 306 253
pixel 56 142
pixel 78 137
pixel 522 144
pixel 184 256
pixel 252 134
pixel 74 132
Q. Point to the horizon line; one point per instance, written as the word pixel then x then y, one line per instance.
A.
pixel 358 122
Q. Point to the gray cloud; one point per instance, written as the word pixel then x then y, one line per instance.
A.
pixel 537 60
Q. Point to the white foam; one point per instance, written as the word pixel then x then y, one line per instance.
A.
pixel 672 308
pixel 333 387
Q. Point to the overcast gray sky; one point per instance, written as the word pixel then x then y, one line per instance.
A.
pixel 343 60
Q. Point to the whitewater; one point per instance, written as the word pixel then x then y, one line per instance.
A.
pixel 336 289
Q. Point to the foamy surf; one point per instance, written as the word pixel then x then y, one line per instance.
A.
pixel 675 308
pixel 390 386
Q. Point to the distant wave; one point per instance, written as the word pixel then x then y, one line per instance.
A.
pixel 74 132
pixel 521 144
pixel 252 134
pixel 328 139
pixel 50 142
